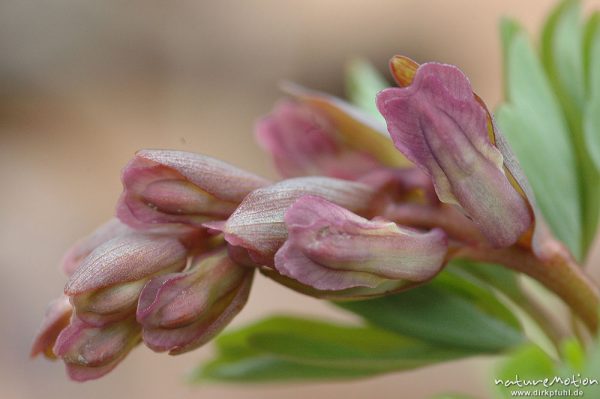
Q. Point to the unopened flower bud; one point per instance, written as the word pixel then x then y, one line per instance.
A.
pixel 164 187
pixel 57 316
pixel 107 284
pixel 182 311
pixel 303 141
pixel 90 352
pixel 331 248
pixel 82 248
pixel 258 223
pixel 439 124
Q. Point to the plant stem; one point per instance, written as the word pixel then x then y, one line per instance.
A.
pixel 559 273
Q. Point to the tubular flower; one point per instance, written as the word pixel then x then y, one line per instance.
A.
pixel 175 187
pixel 446 130
pixel 258 223
pixel 331 248
pixel 182 311
pixel 107 284
pixel 303 141
pixel 90 352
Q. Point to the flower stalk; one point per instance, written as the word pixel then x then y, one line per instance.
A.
pixel 558 272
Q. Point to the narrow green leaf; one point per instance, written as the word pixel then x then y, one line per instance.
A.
pixel 267 368
pixel 563 55
pixel 363 82
pixel 437 315
pixel 592 112
pixel 536 129
pixel 291 348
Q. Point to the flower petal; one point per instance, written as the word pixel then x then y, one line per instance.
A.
pixel 440 125
pixel 82 248
pixel 162 187
pixel 110 278
pixel 304 141
pixel 86 346
pixel 182 311
pixel 258 223
pixel 57 316
pixel 331 248
pixel 358 130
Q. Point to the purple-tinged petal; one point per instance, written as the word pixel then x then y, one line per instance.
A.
pixel 331 248
pixel 175 187
pixel 439 124
pixel 304 141
pixel 90 352
pixel 109 280
pixel 57 316
pixel 82 248
pixel 182 311
pixel 357 129
pixel 258 223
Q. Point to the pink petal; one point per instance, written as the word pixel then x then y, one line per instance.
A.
pixel 440 125
pixel 258 223
pixel 331 248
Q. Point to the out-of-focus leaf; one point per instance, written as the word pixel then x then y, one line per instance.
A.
pixel 535 127
pixel 563 54
pixel 573 355
pixel 526 363
pixel 441 316
pixel 591 123
pixel 325 344
pixel 290 348
pixel 463 279
pixel 259 367
pixel 363 82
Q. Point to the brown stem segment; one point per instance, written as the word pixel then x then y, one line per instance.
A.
pixel 558 272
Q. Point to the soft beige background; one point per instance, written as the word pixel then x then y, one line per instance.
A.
pixel 84 84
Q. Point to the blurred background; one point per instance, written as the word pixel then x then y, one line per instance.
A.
pixel 84 84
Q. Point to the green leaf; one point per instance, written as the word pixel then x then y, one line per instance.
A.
pixel 528 362
pixel 291 348
pixel 267 368
pixel 465 279
pixel 452 396
pixel 591 124
pixel 563 53
pixel 363 82
pixel 441 316
pixel 325 344
pixel 536 129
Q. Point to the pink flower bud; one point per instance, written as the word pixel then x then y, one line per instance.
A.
pixel 82 248
pixel 258 223
pixel 303 141
pixel 90 352
pixel 182 311
pixel 163 187
pixel 439 124
pixel 331 248
pixel 57 316
pixel 107 284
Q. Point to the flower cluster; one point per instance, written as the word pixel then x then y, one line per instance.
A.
pixel 357 215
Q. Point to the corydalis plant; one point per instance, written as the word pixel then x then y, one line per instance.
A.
pixel 395 223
